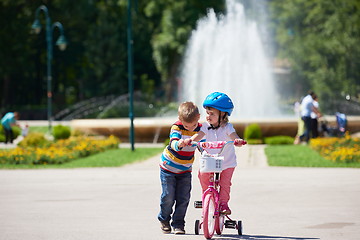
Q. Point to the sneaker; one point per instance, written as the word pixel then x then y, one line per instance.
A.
pixel 165 227
pixel 224 209
pixel 179 231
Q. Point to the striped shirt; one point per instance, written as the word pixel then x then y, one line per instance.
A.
pixel 177 160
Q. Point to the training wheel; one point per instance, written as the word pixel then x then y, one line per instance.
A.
pixel 197 227
pixel 239 227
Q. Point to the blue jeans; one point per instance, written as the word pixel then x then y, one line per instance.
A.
pixel 306 134
pixel 175 190
pixel 9 135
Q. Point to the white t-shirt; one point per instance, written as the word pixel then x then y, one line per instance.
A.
pixel 221 134
pixel 316 105
pixel 306 106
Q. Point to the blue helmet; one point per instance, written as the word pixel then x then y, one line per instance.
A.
pixel 220 101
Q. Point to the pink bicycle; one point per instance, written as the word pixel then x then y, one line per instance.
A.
pixel 212 219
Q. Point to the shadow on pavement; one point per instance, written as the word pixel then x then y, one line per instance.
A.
pixel 260 237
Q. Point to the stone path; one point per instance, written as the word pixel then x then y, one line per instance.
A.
pixel 274 203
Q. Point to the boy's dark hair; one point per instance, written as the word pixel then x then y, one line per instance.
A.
pixel 16 115
pixel 311 93
pixel 188 112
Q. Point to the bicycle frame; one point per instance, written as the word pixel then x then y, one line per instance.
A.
pixel 213 189
pixel 217 219
pixel 213 186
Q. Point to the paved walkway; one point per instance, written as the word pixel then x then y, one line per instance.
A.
pixel 274 203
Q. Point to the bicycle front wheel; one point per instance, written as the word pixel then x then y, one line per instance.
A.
pixel 219 224
pixel 209 216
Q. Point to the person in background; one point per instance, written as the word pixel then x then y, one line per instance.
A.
pixel 314 119
pixel 7 122
pixel 307 106
pixel 25 130
pixel 300 130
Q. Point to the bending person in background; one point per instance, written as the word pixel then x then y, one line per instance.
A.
pixel 7 122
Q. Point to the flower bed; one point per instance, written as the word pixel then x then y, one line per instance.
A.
pixel 58 152
pixel 346 149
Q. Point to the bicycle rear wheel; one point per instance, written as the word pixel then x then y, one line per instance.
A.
pixel 209 216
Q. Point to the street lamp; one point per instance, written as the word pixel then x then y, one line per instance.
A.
pixel 130 74
pixel 61 42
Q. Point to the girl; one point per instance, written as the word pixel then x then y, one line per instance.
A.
pixel 217 128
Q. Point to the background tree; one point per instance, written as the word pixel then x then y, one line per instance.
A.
pixel 95 61
pixel 175 20
pixel 321 39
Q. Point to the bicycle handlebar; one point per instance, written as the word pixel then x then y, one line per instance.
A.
pixel 214 145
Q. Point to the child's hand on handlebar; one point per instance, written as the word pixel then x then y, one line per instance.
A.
pixel 187 141
pixel 239 142
pixel 181 143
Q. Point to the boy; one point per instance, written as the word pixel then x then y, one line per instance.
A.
pixel 175 169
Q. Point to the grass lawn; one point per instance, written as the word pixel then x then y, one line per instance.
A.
pixel 299 156
pixel 109 158
pixel 40 129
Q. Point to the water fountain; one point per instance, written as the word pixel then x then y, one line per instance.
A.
pixel 226 54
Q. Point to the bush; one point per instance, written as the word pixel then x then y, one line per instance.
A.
pixel 254 141
pixel 16 132
pixel 253 132
pixel 61 132
pixel 342 150
pixel 166 142
pixel 58 152
pixel 77 133
pixel 279 140
pixel 34 139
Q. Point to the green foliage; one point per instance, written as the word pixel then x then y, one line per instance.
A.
pixel 16 132
pixel 166 142
pixel 321 40
pixel 279 140
pixel 255 141
pixel 344 149
pixel 140 109
pixel 252 131
pixel 109 158
pixel 114 158
pixel 34 139
pixel 299 156
pixel 95 61
pixel 61 132
pixel 171 32
pixel 77 133
pixel 57 152
pixel 41 129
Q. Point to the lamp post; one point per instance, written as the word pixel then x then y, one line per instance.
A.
pixel 130 74
pixel 61 42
